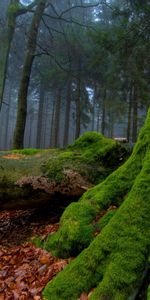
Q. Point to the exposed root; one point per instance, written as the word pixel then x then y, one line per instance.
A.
pixel 76 225
pixel 115 261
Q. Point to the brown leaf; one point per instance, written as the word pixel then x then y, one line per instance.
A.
pixel 45 259
pixel 2 296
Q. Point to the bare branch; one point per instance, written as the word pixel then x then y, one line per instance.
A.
pixel 71 21
pixel 78 6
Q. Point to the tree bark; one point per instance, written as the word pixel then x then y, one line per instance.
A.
pixel 67 114
pixel 94 105
pixel 135 114
pixel 103 124
pixel 57 119
pixel 8 116
pixel 24 84
pixel 40 116
pixel 52 124
pixel 78 108
pixel 129 113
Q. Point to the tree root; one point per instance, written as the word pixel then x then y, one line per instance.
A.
pixel 76 225
pixel 115 261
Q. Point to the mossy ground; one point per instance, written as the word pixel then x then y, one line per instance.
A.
pixel 15 165
pixel 86 156
pixel 92 155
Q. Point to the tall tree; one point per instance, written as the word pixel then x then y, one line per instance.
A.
pixel 25 79
pixel 15 9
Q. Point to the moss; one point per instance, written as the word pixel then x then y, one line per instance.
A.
pixel 26 151
pixel 14 169
pixel 88 156
pixel 114 262
pixel 37 241
pixel 148 293
pixel 111 191
pixel 86 140
pixel 106 218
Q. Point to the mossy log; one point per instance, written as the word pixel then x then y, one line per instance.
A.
pixel 30 174
pixel 115 260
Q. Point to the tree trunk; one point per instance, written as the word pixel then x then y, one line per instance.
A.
pixel 45 124
pixel 94 106
pixel 116 251
pixel 8 116
pixel 129 114
pixel 78 108
pixel 52 124
pixel 103 124
pixel 57 119
pixel 135 114
pixel 67 114
pixel 11 24
pixel 98 118
pixel 24 84
pixel 40 116
pixel 111 124
pixel 13 11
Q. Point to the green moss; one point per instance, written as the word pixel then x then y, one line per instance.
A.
pixel 14 169
pixel 114 262
pixel 106 218
pixel 148 293
pixel 86 140
pixel 92 155
pixel 111 191
pixel 37 241
pixel 85 232
pixel 26 151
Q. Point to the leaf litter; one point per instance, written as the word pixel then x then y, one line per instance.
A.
pixel 24 268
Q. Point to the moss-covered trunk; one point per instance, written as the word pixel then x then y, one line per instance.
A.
pixel 114 261
pixel 24 84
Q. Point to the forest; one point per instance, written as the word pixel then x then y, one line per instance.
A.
pixel 74 150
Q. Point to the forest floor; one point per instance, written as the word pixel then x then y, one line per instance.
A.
pixel 24 268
